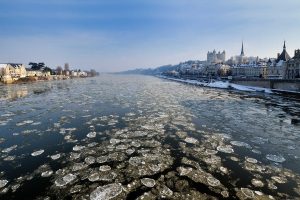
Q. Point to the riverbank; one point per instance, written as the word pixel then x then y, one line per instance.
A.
pixel 220 84
pixel 42 78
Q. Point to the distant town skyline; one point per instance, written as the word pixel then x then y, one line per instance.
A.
pixel 117 35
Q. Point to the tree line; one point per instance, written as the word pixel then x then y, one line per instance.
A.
pixel 42 67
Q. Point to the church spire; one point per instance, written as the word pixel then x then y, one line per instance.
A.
pixel 284 48
pixel 242 51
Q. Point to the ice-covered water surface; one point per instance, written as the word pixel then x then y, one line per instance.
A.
pixel 138 137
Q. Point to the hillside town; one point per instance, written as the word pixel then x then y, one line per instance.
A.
pixel 283 67
pixel 16 72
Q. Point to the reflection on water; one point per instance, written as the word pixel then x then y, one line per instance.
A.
pixel 139 137
pixel 12 92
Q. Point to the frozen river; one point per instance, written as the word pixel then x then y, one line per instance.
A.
pixel 141 137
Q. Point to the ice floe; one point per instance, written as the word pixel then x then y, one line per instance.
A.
pixel 257 183
pixel 106 192
pixel 225 149
pixel 37 153
pixel 248 193
pixel 3 183
pixel 65 180
pixel 191 140
pixel 240 144
pixel 91 135
pixel 55 157
pixel 9 149
pixel 104 168
pixel 251 160
pixel 47 173
pixel 148 182
pixel 213 181
pixel 275 158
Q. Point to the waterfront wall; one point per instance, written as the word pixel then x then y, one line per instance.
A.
pixel 277 84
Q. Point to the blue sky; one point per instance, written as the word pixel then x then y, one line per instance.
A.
pixel 114 35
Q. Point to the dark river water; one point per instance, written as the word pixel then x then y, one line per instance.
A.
pixel 141 137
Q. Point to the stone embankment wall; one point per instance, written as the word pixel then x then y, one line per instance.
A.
pixel 281 84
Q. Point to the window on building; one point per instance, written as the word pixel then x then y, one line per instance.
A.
pixel 297 73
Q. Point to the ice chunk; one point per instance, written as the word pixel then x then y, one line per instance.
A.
pixel 15 187
pixel 257 183
pixel 3 183
pixel 104 168
pixel 28 121
pixel 135 161
pixel 102 159
pixel 78 166
pixel 259 140
pixel 275 158
pixel 225 149
pixel 166 191
pixel 91 135
pixel 9 149
pixel 114 141
pixel 191 140
pixel 122 147
pixel 24 122
pixel 154 168
pixel 213 159
pixel 106 192
pixel 90 160
pixel 74 156
pixel 256 151
pixel 37 153
pixel 225 194
pixel 75 189
pixel 92 144
pixel 148 182
pixel 213 181
pixel 279 179
pixel 36 123
pixel 251 160
pixel 9 158
pixel 130 151
pixel 247 192
pixel 65 180
pixel 55 157
pixel 183 171
pixel 108 176
pixel 240 144
pixel 78 148
pixel 210 152
pixel 47 173
pixel 224 170
pixel 136 144
pixel 94 177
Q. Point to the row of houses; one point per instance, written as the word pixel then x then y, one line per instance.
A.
pixel 282 67
pixel 10 72
pixel 73 73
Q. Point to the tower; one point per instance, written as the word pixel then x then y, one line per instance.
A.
pixel 284 55
pixel 242 51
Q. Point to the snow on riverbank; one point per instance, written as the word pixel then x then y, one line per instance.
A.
pixel 221 84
